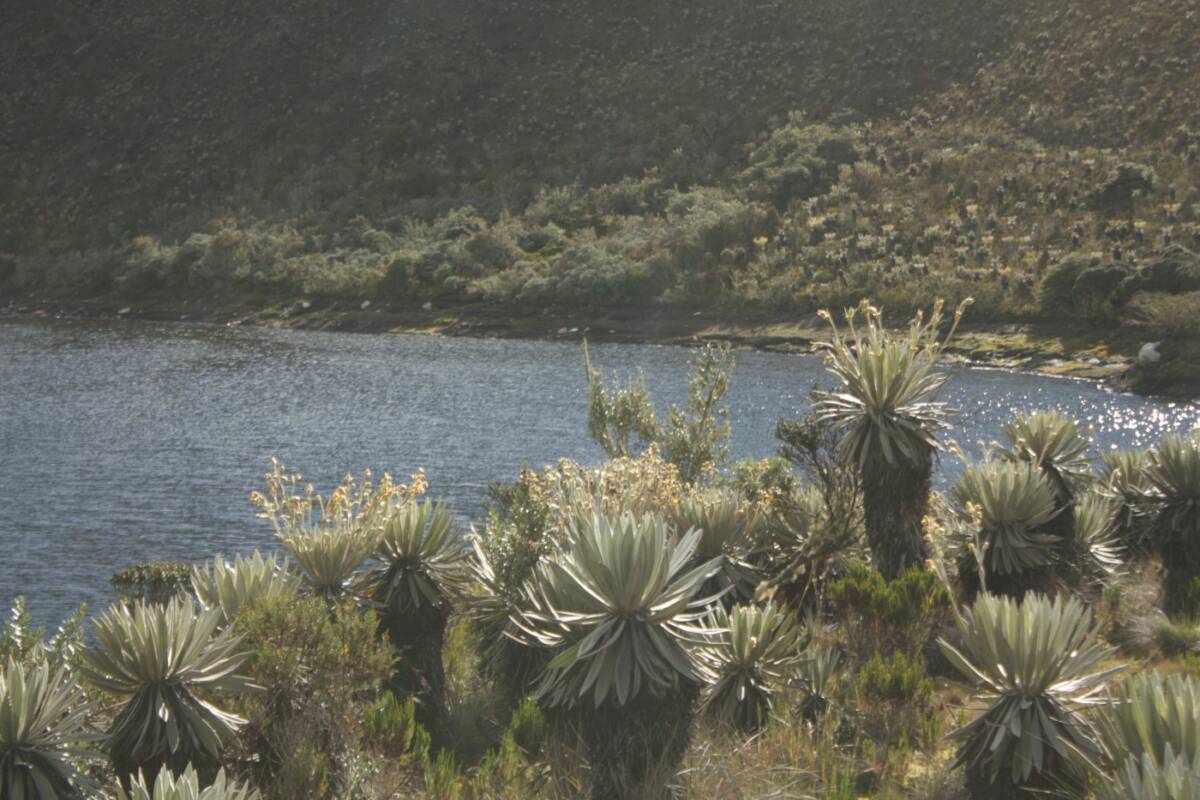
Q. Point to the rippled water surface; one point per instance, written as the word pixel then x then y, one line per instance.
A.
pixel 123 442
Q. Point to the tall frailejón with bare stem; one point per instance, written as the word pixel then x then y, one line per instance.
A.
pixel 890 419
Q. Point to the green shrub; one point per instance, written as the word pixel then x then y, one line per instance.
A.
pixel 621 420
pixel 1174 637
pixel 1122 187
pixel 882 617
pixel 1057 289
pixel 899 678
pixel 528 728
pixel 764 482
pixel 391 725
pixel 23 642
pixel 564 206
pixel 1176 271
pixel 696 436
pixel 153 581
pixel 1167 316
pixel 493 248
pixel 702 223
pixel 895 698
pixel 1098 290
pixel 587 274
pixel 320 670
pixel 798 161
pixel 147 267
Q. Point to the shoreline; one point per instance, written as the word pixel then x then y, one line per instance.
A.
pixel 1040 348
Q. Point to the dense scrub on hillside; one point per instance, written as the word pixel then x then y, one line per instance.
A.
pixel 819 215
pixel 664 623
pixel 130 119
pixel 766 160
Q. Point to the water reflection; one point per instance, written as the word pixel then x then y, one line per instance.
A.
pixel 121 442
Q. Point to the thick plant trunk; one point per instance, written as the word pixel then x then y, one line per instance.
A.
pixel 1181 569
pixel 511 667
pixel 419 671
pixel 895 501
pixel 1015 585
pixel 1056 779
pixel 150 760
pixel 981 787
pixel 635 750
pixel 128 769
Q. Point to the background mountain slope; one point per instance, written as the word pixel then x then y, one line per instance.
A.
pixel 124 118
pixel 761 158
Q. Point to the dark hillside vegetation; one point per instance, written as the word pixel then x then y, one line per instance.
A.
pixel 760 159
pixel 126 118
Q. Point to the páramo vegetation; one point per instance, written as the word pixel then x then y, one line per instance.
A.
pixel 666 623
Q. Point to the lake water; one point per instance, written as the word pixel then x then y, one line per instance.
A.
pixel 128 441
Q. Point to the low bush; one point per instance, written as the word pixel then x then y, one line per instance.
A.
pixel 1173 637
pixel 895 698
pixel 391 727
pixel 1166 316
pixel 23 642
pixel 882 617
pixel 1057 289
pixel 1127 183
pixel 797 161
pixel 153 581
pixel 320 670
pixel 1175 271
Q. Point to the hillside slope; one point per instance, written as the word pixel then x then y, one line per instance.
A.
pixel 762 159
pixel 124 117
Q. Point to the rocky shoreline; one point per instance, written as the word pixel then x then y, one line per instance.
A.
pixel 1031 347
